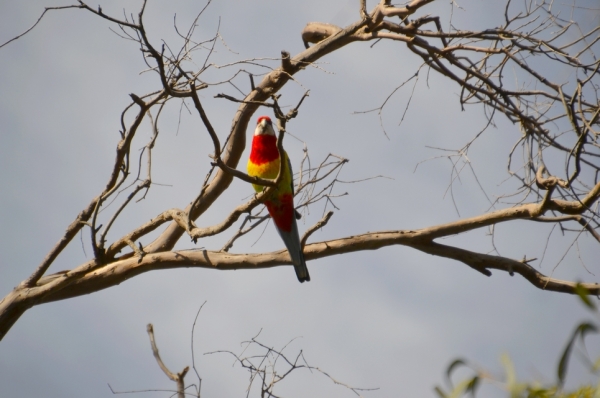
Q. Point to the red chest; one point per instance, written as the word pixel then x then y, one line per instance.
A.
pixel 264 149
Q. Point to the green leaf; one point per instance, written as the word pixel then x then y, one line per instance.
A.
pixel 460 389
pixel 440 392
pixel 514 388
pixel 473 384
pixel 454 365
pixel 580 332
pixel 509 368
pixel 584 295
pixel 539 392
pixel 596 366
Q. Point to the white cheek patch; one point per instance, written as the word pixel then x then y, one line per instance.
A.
pixel 269 130
pixel 266 130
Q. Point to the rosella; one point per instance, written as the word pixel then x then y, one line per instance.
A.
pixel 264 163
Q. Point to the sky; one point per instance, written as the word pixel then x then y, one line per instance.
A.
pixel 391 319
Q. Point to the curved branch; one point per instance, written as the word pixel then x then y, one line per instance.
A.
pixel 112 184
pixel 270 84
pixel 120 271
pixel 17 37
pixel 89 277
pixel 197 233
pixel 320 224
pixel 176 377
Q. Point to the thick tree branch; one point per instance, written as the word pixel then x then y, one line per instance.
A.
pixel 89 277
pixel 120 271
pixel 476 61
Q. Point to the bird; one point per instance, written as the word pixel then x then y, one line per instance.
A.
pixel 264 162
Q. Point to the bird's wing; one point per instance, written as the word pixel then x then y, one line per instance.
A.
pixel 289 162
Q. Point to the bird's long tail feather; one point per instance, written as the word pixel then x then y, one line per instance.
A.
pixel 292 242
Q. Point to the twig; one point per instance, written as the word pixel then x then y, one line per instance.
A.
pixel 320 224
pixel 176 377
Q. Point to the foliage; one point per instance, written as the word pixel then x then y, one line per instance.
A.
pixel 532 389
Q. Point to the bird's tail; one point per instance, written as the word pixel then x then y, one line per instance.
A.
pixel 300 265
pixel 292 242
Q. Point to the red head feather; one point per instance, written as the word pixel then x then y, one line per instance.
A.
pixel 260 119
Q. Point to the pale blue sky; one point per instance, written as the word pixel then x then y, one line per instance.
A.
pixel 392 318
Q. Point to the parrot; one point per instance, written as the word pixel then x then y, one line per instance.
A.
pixel 264 163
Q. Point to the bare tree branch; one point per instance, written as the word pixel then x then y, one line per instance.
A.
pixel 558 176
